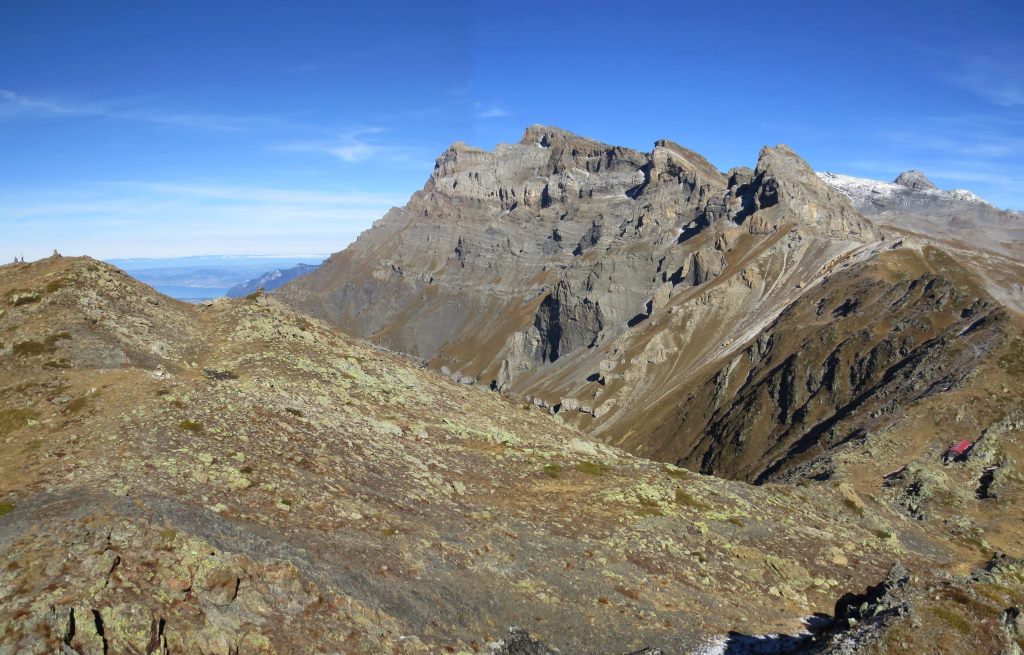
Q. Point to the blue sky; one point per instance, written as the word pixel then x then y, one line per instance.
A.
pixel 147 129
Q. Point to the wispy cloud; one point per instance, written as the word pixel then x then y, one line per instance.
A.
pixel 458 91
pixel 956 140
pixel 997 80
pixel 356 146
pixel 18 105
pixel 253 194
pixel 180 218
pixel 490 111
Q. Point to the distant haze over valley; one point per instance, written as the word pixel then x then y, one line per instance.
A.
pixel 206 276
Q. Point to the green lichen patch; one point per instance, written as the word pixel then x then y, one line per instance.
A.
pixel 56 285
pixel 648 507
pixel 592 468
pixel 686 499
pixel 553 470
pixel 19 297
pixel 13 419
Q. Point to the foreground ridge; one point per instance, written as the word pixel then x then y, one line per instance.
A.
pixel 236 477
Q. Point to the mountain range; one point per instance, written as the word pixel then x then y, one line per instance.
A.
pixel 735 323
pixel 571 398
pixel 270 281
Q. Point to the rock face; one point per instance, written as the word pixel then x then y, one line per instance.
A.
pixel 556 244
pixel 844 359
pixel 515 238
pixel 524 267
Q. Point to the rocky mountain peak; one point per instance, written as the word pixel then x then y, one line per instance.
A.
pixel 914 179
pixel 547 136
pixel 456 158
pixel 912 204
pixel 665 151
pixel 782 178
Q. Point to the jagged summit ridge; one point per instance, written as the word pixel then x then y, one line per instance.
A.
pixel 550 164
pixel 563 250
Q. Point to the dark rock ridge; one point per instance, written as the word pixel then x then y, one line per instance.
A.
pixel 842 360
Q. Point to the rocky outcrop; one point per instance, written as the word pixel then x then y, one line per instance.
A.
pixel 751 324
pixel 565 322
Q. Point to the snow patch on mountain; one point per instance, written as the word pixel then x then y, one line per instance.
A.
pixel 866 192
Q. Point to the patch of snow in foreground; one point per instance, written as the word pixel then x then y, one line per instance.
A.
pixel 753 644
pixel 716 647
pixel 769 644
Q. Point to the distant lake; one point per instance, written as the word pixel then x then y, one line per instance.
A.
pixel 205 277
pixel 191 294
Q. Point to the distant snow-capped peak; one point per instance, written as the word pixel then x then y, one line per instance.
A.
pixel 864 190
